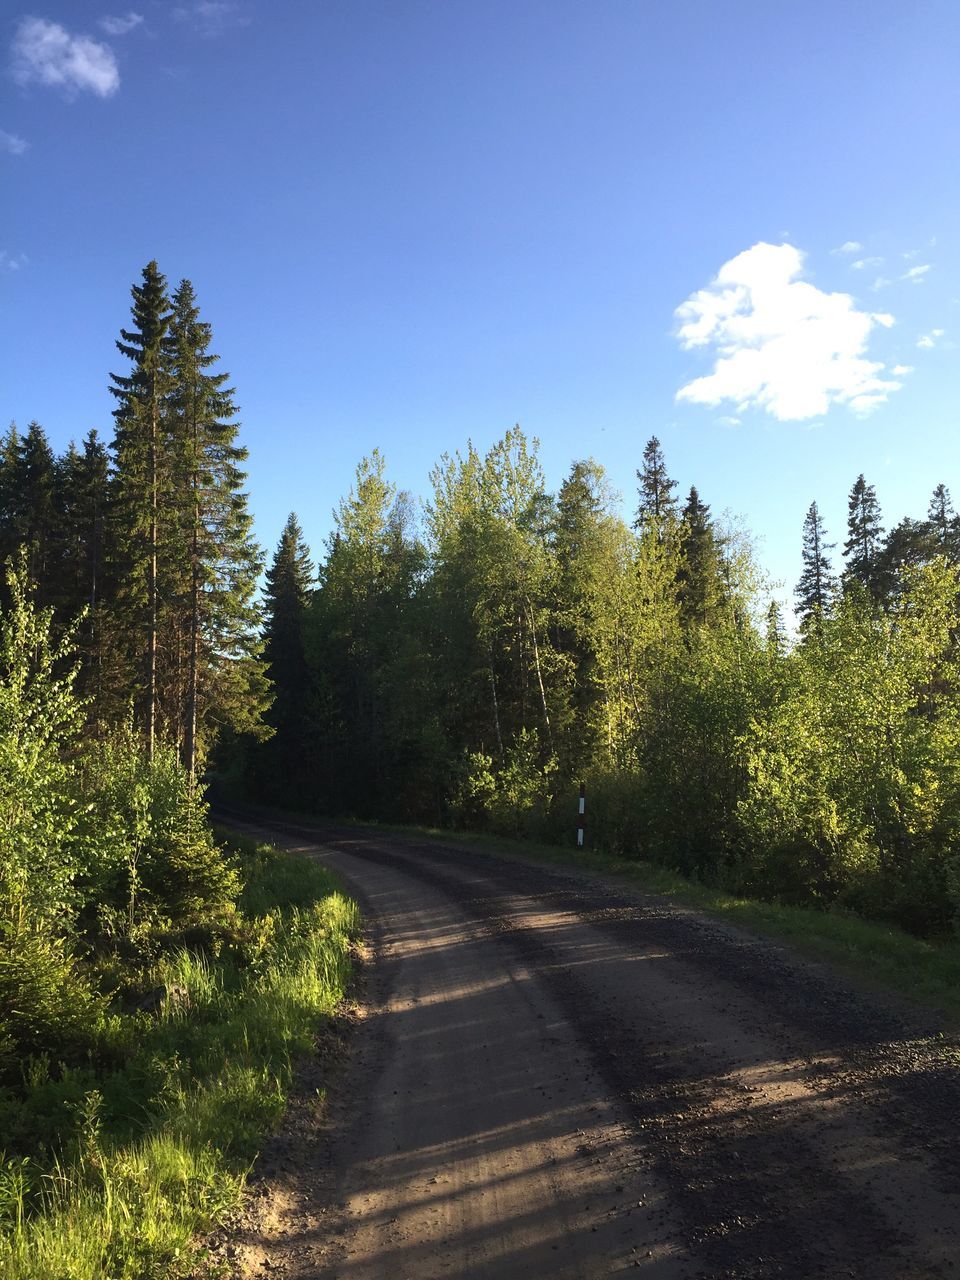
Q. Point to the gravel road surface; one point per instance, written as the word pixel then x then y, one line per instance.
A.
pixel 554 1075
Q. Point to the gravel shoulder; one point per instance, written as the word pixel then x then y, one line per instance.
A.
pixel 551 1075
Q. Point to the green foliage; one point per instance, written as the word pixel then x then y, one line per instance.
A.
pixel 40 721
pixel 155 1149
pixel 536 642
pixel 149 858
pixel 854 770
pixel 47 1005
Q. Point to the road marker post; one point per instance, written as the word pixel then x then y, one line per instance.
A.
pixel 580 811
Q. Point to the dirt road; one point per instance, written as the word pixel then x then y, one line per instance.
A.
pixel 560 1077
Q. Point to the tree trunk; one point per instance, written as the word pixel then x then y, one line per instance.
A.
pixel 536 662
pixel 496 708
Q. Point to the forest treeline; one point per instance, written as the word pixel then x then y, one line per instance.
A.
pixel 471 660
pixel 471 667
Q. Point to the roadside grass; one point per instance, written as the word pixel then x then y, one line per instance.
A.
pixel 142 1151
pixel 879 956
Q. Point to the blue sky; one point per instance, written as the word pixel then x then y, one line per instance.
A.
pixel 413 222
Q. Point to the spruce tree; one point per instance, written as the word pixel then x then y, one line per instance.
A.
pixel 776 636
pixel 585 532
pixel 864 533
pixel 83 501
pixel 817 586
pixel 699 585
pixel 582 508
pixel 944 523
pixel 35 519
pixel 289 586
pixel 657 502
pixel 9 496
pixel 144 477
pixel 216 561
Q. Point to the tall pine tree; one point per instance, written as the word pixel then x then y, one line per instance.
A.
pixel 817 586
pixel 83 581
pixel 699 583
pixel 864 539
pixel 216 559
pixel 283 763
pixel 944 523
pixel 144 479
pixel 36 518
pixel 657 504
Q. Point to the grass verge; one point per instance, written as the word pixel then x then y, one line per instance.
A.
pixel 149 1145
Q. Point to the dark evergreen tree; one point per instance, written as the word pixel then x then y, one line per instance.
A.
pixel 582 532
pixel 144 481
pixel 817 586
pixel 582 504
pixel 82 501
pixel 909 544
pixel 864 539
pixel 699 582
pixel 657 501
pixel 9 495
pixel 944 523
pixel 212 672
pixel 35 519
pixel 776 635
pixel 282 764
pixel 362 641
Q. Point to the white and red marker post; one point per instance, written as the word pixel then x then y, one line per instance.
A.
pixel 580 813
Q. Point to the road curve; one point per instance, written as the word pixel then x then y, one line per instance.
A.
pixel 558 1076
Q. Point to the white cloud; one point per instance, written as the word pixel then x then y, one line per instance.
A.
pixel 849 246
pixel 12 261
pixel 916 274
pixel 780 343
pixel 901 370
pixel 120 25
pixel 928 340
pixel 13 145
pixel 212 16
pixel 862 263
pixel 881 282
pixel 46 53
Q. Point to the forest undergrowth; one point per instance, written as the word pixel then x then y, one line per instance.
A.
pixel 135 1136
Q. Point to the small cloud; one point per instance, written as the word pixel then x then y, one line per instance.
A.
pixel 12 261
pixel 916 274
pixel 115 25
pixel 901 370
pixel 212 16
pixel 728 422
pixel 779 343
pixel 881 282
pixel 862 263
pixel 12 144
pixel 46 53
pixel 849 246
pixel 883 318
pixel 910 253
pixel 928 340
